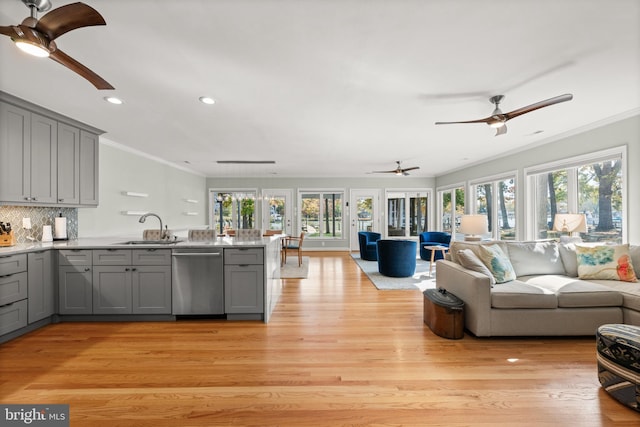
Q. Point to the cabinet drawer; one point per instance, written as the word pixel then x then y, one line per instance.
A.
pixel 13 264
pixel 151 256
pixel 13 288
pixel 243 256
pixel 13 317
pixel 112 257
pixel 74 257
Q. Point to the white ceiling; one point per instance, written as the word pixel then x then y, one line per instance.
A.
pixel 336 87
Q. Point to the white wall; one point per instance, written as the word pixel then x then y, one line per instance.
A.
pixel 622 133
pixel 167 188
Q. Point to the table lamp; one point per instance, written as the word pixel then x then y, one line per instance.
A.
pixel 473 226
pixel 570 223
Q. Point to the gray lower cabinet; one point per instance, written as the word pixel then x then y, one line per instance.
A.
pixel 41 288
pixel 75 282
pixel 112 290
pixel 139 284
pixel 13 293
pixel 151 287
pixel 244 281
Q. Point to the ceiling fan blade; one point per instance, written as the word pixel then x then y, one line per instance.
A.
pixel 67 18
pixel 485 120
pixel 501 130
pixel 411 168
pixel 9 31
pixel 64 59
pixel 547 102
pixel 393 171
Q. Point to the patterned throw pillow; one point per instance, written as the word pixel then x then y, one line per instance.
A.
pixel 610 262
pixel 468 259
pixel 498 263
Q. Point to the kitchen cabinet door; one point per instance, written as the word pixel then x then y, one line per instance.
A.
pixel 244 288
pixel 15 154
pixel 41 289
pixel 151 289
pixel 68 164
pixel 75 290
pixel 112 290
pixel 43 169
pixel 89 152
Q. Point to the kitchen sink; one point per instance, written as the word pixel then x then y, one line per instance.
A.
pixel 150 242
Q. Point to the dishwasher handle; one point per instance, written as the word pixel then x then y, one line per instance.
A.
pixel 216 254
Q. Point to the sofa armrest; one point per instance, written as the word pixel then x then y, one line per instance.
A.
pixel 471 287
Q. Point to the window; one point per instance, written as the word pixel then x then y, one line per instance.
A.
pixel 321 214
pixel 232 209
pixel 496 198
pixel 406 213
pixel 451 208
pixel 591 185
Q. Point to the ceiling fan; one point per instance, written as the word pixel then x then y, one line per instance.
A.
pixel 399 170
pixel 498 119
pixel 36 36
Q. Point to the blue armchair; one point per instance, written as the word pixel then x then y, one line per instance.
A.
pixel 367 241
pixel 433 238
pixel 397 258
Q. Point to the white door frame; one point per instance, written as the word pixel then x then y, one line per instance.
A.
pixel 287 221
pixel 355 194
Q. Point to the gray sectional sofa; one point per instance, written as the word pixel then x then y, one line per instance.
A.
pixel 547 298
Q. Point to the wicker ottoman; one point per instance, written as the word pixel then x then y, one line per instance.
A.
pixel 619 362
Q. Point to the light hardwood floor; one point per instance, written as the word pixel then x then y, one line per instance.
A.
pixel 336 352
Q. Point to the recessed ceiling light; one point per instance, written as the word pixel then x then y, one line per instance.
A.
pixel 113 100
pixel 207 100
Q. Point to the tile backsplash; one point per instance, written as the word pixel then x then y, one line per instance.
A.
pixel 40 216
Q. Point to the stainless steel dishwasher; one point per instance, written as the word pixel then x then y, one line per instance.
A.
pixel 198 287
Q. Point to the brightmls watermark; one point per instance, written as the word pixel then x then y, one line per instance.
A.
pixel 36 415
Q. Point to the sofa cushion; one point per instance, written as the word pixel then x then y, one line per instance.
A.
pixel 517 294
pixel 605 262
pixel 497 262
pixel 630 292
pixel 569 258
pixel 468 259
pixel 529 258
pixel 573 292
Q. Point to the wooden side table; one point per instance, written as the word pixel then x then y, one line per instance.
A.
pixel 433 249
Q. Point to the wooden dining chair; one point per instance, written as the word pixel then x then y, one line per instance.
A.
pixel 293 244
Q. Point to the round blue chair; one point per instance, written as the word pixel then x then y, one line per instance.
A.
pixel 397 258
pixel 367 241
pixel 433 238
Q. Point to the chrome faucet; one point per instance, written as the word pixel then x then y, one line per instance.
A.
pixel 143 219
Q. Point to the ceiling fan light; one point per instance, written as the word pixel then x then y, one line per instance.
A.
pixel 496 124
pixel 32 49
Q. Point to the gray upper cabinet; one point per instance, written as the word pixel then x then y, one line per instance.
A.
pixel 46 159
pixel 15 153
pixel 43 167
pixel 68 164
pixel 89 152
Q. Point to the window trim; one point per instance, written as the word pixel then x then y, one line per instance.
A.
pixel 321 191
pixel 530 201
pixel 470 199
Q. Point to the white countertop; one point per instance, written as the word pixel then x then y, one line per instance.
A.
pixel 119 242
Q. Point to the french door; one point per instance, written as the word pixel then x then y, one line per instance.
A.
pixel 363 211
pixel 277 210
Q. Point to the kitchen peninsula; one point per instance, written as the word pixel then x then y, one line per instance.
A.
pixel 107 279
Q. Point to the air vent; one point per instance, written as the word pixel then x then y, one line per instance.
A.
pixel 246 162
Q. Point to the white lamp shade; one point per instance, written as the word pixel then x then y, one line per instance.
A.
pixel 473 224
pixel 570 223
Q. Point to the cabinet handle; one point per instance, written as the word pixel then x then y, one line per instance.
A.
pixel 134 269
pixel 87 269
pixel 61 200
pixel 33 199
pixel 127 269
